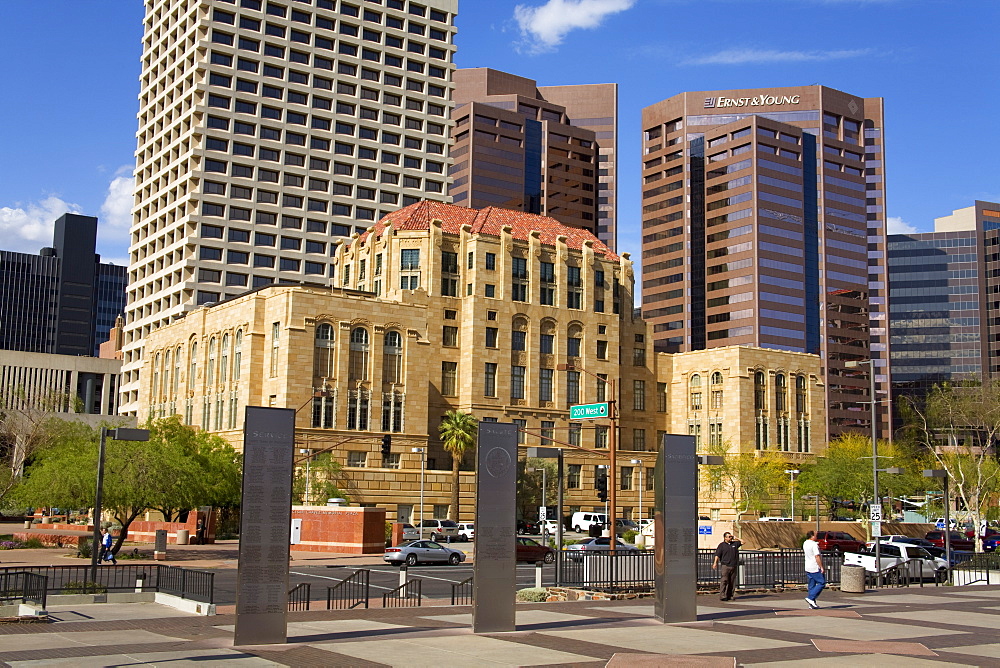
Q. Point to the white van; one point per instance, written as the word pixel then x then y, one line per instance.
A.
pixel 582 521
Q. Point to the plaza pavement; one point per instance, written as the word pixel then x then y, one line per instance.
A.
pixel 929 626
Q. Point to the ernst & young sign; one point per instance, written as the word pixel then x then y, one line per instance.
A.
pixel 756 101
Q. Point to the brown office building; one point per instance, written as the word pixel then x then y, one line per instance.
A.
pixel 764 224
pixel 548 150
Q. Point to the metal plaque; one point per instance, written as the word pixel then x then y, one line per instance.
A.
pixel 676 517
pixel 494 570
pixel 265 525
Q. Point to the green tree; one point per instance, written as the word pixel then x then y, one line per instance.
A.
pixel 179 468
pixel 326 480
pixel 458 433
pixel 746 479
pixel 959 426
pixel 529 486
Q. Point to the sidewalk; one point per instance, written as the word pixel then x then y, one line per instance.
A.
pixel 930 626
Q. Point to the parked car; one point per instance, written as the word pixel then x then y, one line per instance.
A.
pixel 422 552
pixel 527 526
pixel 922 563
pixel 990 544
pixel 622 525
pixel 440 529
pixel 582 521
pixel 410 532
pixel 774 519
pixel 957 556
pixel 467 531
pixel 958 541
pixel 838 541
pixel 551 526
pixel 531 551
pixel 987 532
pixel 597 545
pixel 899 538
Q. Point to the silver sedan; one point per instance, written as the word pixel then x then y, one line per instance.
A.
pixel 597 545
pixel 422 552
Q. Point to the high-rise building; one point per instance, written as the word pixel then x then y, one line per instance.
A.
pixel 64 300
pixel 548 150
pixel 270 131
pixel 942 288
pixel 764 224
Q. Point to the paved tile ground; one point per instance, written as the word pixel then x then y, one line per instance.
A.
pixel 924 627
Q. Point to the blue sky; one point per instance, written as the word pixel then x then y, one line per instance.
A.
pixel 70 71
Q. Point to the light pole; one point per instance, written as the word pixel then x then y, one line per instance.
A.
pixel 791 488
pixel 423 466
pixel 119 434
pixel 639 463
pixel 543 523
pixel 612 503
pixel 308 453
pixel 942 473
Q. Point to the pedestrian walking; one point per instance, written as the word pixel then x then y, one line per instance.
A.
pixel 107 553
pixel 728 555
pixel 814 569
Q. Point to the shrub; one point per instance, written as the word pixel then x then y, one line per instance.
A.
pixel 84 549
pixel 79 587
pixel 33 543
pixel 134 554
pixel 532 595
pixel 10 545
pixel 629 536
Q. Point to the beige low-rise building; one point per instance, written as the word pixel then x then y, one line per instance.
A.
pixel 439 307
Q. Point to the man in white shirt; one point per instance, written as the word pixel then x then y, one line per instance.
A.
pixel 814 569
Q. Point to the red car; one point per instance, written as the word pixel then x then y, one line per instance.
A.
pixel 838 541
pixel 958 541
pixel 531 551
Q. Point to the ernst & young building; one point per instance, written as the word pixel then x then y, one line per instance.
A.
pixel 764 224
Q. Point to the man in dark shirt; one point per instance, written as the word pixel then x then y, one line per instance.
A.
pixel 727 554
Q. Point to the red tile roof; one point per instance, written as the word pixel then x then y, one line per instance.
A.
pixel 488 221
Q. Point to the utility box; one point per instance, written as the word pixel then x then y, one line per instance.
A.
pixel 296 537
pixel 160 545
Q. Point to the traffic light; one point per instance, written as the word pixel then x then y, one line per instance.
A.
pixel 386 446
pixel 602 487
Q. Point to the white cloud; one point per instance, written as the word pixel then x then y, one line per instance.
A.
pixel 757 56
pixel 27 228
pixel 544 28
pixel 896 225
pixel 116 211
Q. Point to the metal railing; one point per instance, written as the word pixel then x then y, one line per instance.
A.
pixel 622 571
pixel 183 582
pixel 461 592
pixel 406 595
pixel 298 597
pixel 23 587
pixel 350 592
pixel 983 567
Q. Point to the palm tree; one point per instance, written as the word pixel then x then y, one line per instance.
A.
pixel 458 432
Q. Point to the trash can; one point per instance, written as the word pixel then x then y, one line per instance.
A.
pixel 852 579
pixel 183 536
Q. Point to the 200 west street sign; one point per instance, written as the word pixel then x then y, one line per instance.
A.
pixel 588 411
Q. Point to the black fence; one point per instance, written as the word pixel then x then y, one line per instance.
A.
pixel 982 568
pixel 298 597
pixel 23 587
pixel 350 592
pixel 406 595
pixel 182 582
pixel 461 592
pixel 632 570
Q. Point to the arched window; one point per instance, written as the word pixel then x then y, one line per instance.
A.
pixel 519 334
pixel 695 388
pixel 193 366
pixel 547 337
pixel 759 392
pixel 780 393
pixel 716 400
pixel 210 371
pixel 168 368
pixel 574 341
pixel 392 358
pixel 800 394
pixel 323 351
pixel 224 359
pixel 359 354
pixel 177 371
pixel 155 390
pixel 237 355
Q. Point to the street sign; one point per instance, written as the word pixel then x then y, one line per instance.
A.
pixel 875 513
pixel 704 530
pixel 589 411
pixel 543 513
pixel 876 529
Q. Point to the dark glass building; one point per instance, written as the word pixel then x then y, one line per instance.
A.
pixel 64 300
pixel 941 313
pixel 764 225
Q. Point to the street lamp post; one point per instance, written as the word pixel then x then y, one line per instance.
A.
pixel 639 463
pixel 612 504
pixel 308 453
pixel 942 473
pixel 423 466
pixel 119 434
pixel 543 523
pixel 791 488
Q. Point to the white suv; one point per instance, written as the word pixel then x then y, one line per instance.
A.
pixel 582 521
pixel 467 530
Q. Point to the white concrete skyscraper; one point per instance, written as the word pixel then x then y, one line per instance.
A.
pixel 270 130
